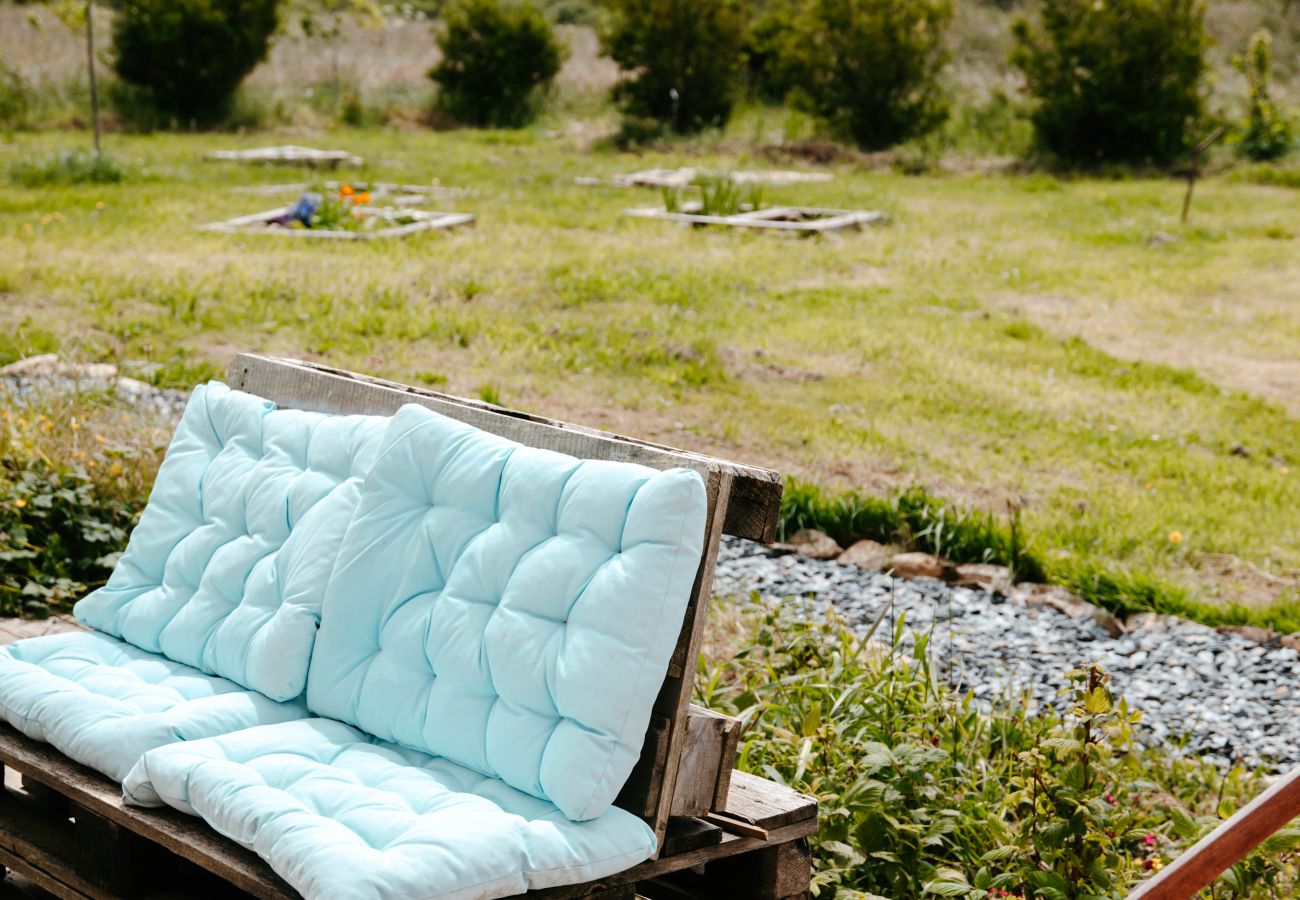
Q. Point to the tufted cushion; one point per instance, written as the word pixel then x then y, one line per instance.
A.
pixel 104 702
pixel 508 608
pixel 340 815
pixel 227 568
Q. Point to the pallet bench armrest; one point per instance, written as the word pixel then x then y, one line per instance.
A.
pixel 1226 845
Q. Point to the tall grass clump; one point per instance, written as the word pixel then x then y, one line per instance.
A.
pixel 498 59
pixel 69 168
pixel 913 518
pixel 923 792
pixel 1114 81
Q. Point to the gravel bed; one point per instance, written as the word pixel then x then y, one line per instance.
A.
pixel 1224 696
pixel 165 403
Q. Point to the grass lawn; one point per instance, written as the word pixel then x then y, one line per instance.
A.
pixel 1004 339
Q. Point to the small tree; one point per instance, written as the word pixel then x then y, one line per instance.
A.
pixel 1267 132
pixel 1114 80
pixel 497 60
pixel 681 60
pixel 871 67
pixel 190 56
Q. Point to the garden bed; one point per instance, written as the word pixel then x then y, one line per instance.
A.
pixel 794 219
pixel 390 193
pixel 688 176
pixel 389 222
pixel 290 155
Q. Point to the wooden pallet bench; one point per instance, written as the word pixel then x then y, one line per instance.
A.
pixel 719 832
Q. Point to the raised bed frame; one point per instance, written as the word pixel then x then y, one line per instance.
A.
pixel 720 833
pixel 425 220
pixel 290 155
pixel 797 219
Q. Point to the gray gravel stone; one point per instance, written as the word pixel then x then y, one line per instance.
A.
pixel 1223 696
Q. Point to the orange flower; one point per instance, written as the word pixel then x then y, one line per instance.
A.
pixel 1175 537
pixel 363 197
pixel 346 190
pixel 20 503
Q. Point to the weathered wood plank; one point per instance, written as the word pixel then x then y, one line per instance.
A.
pixel 675 695
pixel 755 492
pixel 704 774
pixel 767 804
pixel 1226 845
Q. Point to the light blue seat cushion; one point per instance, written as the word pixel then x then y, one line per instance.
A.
pixel 510 609
pixel 227 568
pixel 104 702
pixel 343 816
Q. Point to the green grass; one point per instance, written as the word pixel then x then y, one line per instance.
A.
pixel 1004 340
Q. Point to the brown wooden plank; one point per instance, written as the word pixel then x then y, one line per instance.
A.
pixel 687 834
pixel 183 835
pixel 640 793
pixel 730 845
pixel 755 492
pixel 767 804
pixel 780 872
pixel 704 773
pixel 675 695
pixel 1226 845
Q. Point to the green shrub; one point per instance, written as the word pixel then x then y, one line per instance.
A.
pixel 189 56
pixel 1266 135
pixel 14 98
pixel 498 56
pixel 71 167
pixel 870 68
pixel 681 61
pixel 1114 81
pixel 923 792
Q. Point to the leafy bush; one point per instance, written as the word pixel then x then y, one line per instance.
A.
pixel 189 56
pixel 923 793
pixel 498 56
pixel 1115 81
pixel 871 68
pixel 1266 135
pixel 71 167
pixel 680 59
pixel 14 101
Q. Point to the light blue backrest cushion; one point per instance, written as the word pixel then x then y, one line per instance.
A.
pixel 510 609
pixel 227 569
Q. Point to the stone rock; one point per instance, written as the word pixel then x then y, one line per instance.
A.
pixel 1290 641
pixel 867 555
pixel 814 544
pixel 1146 621
pixel 1055 597
pixel 1250 632
pixel 47 365
pixel 988 577
pixel 920 565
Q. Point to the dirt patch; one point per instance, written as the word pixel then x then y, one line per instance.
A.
pixel 1143 335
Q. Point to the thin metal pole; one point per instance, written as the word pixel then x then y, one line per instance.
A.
pixel 90 64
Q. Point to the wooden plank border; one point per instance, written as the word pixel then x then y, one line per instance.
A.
pixel 754 493
pixel 425 220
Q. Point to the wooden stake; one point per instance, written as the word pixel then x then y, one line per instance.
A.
pixel 90 65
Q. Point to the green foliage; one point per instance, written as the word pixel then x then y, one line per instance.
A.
pixel 680 59
pixel 871 68
pixel 189 56
pixel 913 518
pixel 1114 81
pixel 1266 133
pixel 498 58
pixel 71 167
pixel 923 793
pixel 14 98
